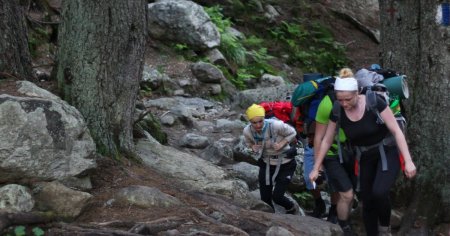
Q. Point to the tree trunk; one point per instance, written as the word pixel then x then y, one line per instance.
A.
pixel 15 59
pixel 100 63
pixel 414 43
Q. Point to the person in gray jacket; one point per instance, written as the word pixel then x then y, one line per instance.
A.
pixel 270 139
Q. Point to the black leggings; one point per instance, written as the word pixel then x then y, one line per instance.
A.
pixel 282 180
pixel 375 187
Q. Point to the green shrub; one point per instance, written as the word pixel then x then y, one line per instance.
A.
pixel 304 199
pixel 233 49
pixel 312 47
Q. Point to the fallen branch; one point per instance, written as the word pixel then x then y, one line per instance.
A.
pixel 21 218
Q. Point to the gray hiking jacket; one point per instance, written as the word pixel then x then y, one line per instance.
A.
pixel 274 132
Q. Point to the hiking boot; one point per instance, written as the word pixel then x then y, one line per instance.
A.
pixel 294 210
pixel 319 209
pixel 384 231
pixel 348 231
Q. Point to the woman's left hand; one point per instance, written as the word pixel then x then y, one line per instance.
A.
pixel 410 169
pixel 278 146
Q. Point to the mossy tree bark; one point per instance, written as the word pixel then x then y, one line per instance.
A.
pixel 15 59
pixel 100 62
pixel 414 43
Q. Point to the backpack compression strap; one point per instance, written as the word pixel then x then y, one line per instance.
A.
pixel 371 104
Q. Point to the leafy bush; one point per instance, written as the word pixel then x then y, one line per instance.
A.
pixel 21 230
pixel 236 53
pixel 230 45
pixel 312 47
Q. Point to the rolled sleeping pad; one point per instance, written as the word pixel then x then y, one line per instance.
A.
pixel 397 86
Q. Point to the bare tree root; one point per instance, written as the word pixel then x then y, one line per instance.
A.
pixel 156 226
pixel 21 218
pixel 65 229
pixel 223 228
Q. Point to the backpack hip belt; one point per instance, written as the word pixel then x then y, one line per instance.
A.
pixel 274 157
pixel 388 141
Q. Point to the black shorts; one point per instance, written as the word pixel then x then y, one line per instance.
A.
pixel 341 177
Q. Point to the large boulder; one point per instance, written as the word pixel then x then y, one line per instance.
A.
pixel 245 98
pixel 362 13
pixel 42 137
pixel 193 172
pixel 182 22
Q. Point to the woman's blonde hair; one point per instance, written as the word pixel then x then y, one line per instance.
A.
pixel 346 73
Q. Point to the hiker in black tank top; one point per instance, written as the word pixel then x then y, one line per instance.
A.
pixel 363 131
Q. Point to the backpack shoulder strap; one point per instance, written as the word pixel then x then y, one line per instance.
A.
pixel 336 110
pixel 371 104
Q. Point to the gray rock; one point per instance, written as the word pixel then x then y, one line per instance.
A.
pixel 182 22
pixel 278 231
pixel 214 89
pixel 15 198
pixel 219 153
pixel 146 197
pixel 225 125
pixel 245 98
pixel 216 57
pixel 192 171
pixel 268 80
pixel 168 120
pixel 65 202
pixel 207 73
pixel 42 138
pixel 191 140
pixel 247 172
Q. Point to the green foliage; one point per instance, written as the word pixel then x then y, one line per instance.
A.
pixel 183 50
pixel 36 38
pixel 152 125
pixel 312 47
pixel 304 199
pixel 215 13
pixel 145 91
pixel 38 231
pixel 247 54
pixel 260 63
pixel 238 6
pixel 233 49
pixel 253 41
pixel 242 76
pixel 179 47
pixel 21 230
pixel 230 45
pixel 220 97
pixel 305 44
